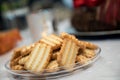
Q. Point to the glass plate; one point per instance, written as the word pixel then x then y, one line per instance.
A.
pixel 26 75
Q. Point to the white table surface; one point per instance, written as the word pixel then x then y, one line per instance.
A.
pixel 107 67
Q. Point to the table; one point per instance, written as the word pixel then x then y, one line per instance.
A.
pixel 107 67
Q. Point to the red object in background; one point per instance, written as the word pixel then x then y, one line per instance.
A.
pixel 88 3
pixel 78 3
pixel 109 12
pixel 93 3
pixel 8 40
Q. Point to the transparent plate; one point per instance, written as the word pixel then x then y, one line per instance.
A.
pixel 27 75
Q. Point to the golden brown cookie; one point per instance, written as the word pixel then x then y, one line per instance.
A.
pixel 23 60
pixel 79 42
pixel 72 37
pixel 88 44
pixel 39 58
pixel 68 53
pixel 15 61
pixel 52 52
pixel 16 53
pixel 81 59
pixel 53 66
pixel 52 40
pixel 54 55
pixel 27 50
pixel 89 53
pixel 17 67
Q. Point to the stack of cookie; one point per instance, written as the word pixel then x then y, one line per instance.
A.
pixel 52 52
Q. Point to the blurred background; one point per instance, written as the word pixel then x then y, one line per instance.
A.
pixel 43 17
pixel 23 22
pixel 85 15
pixel 13 12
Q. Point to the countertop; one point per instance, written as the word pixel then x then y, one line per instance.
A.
pixel 107 67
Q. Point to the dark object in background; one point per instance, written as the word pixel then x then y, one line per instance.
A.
pixel 21 22
pixel 118 25
pixel 35 5
pixel 2 27
pixel 109 12
pixel 1 23
pixel 85 20
pixel 98 37
pixel 13 14
pixel 104 17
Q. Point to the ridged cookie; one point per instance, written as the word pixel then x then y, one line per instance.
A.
pixel 39 58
